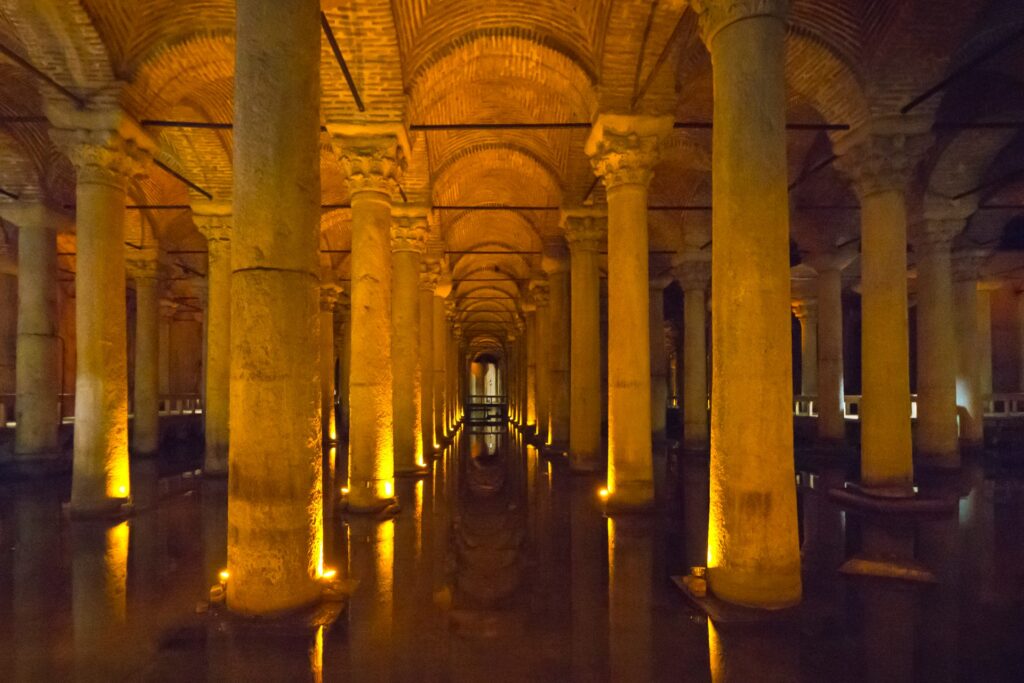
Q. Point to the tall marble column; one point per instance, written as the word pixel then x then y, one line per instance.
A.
pixel 970 402
pixel 540 292
pixel 530 311
pixel 408 243
pixel 275 511
pixel 329 293
pixel 753 540
pixel 936 343
pixel 585 231
pixel 144 270
pixel 343 350
pixel 430 273
pixel 556 265
pixel 372 158
pixel 106 148
pixel 213 219
pixel 985 290
pixel 806 313
pixel 659 359
pixel 879 158
pixel 440 360
pixel 8 328
pixel 623 151
pixel 168 309
pixel 829 392
pixel 694 274
pixel 38 362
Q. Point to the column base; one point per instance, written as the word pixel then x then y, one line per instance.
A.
pixel 42 464
pixel 887 568
pixel 214 473
pixel 755 590
pixel 108 508
pixel 322 612
pixel 634 497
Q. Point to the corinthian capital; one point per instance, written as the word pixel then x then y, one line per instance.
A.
pixel 624 149
pixel 585 228
pixel 714 15
pixel 430 274
pixel 106 146
pixel 540 292
pixel 143 265
pixel 409 228
pixel 882 155
pixel 213 219
pixel 372 156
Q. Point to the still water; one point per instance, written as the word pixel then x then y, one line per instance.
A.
pixel 500 567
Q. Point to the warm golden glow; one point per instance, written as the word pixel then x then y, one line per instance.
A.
pixel 224 575
pixel 389 489
pixel 116 566
pixel 329 574
pixel 603 493
pixel 714 652
pixel 316 656
pixel 344 490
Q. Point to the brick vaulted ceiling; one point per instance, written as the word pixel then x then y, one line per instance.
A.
pixel 519 61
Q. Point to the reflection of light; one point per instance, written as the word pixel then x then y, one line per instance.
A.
pixel 417 514
pixel 603 493
pixel 316 656
pixel 385 556
pixel 344 490
pixel 715 652
pixel 329 574
pixel 116 564
pixel 388 489
pixel 332 457
pixel 224 575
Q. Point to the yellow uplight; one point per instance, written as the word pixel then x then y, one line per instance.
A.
pixel 329 574
pixel 603 494
pixel 344 490
pixel 224 575
pixel 389 489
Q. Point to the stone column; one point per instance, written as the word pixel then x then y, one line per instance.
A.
pixel 213 219
pixel 694 274
pixel 430 273
pixel 540 292
pixel 829 392
pixel 106 148
pixel 168 309
pixel 623 151
pixel 1020 340
pixel 343 348
pixel 585 229
pixel 806 313
pixel 970 402
pixel 275 524
pixel 440 361
pixel 408 243
pixel 556 265
pixel 659 359
pixel 146 428
pixel 753 541
pixel 8 329
pixel 936 344
pixel 530 310
pixel 879 159
pixel 329 293
pixel 451 369
pixel 985 290
pixel 38 362
pixel 372 158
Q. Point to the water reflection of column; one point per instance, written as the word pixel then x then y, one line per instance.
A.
pixel 37 524
pixel 938 548
pixel 411 583
pixel 888 609
pixel 214 511
pixel 630 564
pixel 765 654
pixel 586 571
pixel 371 607
pixel 823 548
pixel 99 573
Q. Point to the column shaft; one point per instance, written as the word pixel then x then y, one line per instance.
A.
pixel 558 354
pixel 440 358
pixel 985 343
pixel 146 427
pixel 531 367
pixel 695 369
pixel 968 379
pixel 407 245
pixel 328 299
pixel 543 367
pixel 808 353
pixel 584 234
pixel 426 354
pixel 831 406
pixel 215 224
pixel 659 363
pixel 275 511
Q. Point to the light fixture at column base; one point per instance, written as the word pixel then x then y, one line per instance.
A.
pixel 416 471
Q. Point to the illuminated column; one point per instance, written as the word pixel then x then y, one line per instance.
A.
pixel 807 313
pixel 753 541
pixel 430 273
pixel 328 302
pixel 214 221
pixel 530 310
pixel 694 274
pixel 146 425
pixel 556 265
pixel 879 159
pixel 106 151
pixel 970 401
pixel 985 290
pixel 168 309
pixel 829 393
pixel 37 373
pixel 408 242
pixel 936 344
pixel 623 151
pixel 343 349
pixel 444 286
pixel 451 369
pixel 540 293
pixel 372 157
pixel 585 230
pixel 275 525
pixel 659 359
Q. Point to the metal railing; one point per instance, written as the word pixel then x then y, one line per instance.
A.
pixel 996 406
pixel 169 404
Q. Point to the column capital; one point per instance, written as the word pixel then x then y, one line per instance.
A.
pixel 660 282
pixel 105 146
pixel 409 230
pixel 805 309
pixel 36 216
pixel 143 264
pixel 430 274
pixel 372 156
pixel 714 15
pixel 967 264
pixel 623 149
pixel 832 259
pixel 330 292
pixel 585 227
pixel 213 219
pixel 540 292
pixel 555 256
pixel 881 156
pixel 692 270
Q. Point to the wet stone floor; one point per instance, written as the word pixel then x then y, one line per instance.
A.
pixel 500 567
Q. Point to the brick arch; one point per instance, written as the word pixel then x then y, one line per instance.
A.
pixel 182 70
pixel 823 78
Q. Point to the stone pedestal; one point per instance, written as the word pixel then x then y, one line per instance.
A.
pixel 214 221
pixel 694 274
pixel 753 540
pixel 275 506
pixel 408 243
pixel 623 151
pixel 144 271
pixel 107 149
pixel 585 229
pixel 372 158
